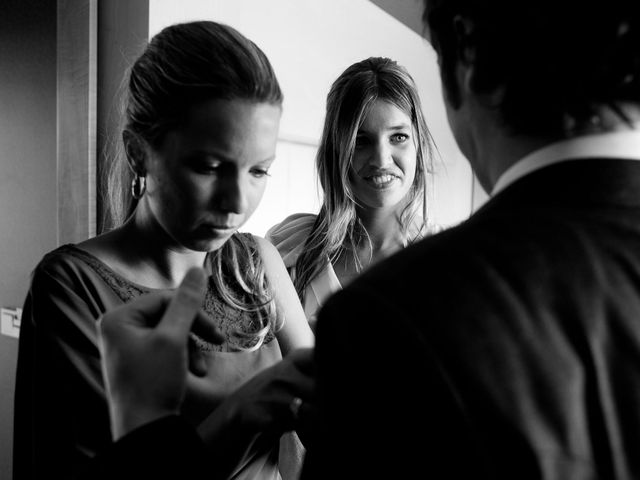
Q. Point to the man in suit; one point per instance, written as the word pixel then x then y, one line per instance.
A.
pixel 507 347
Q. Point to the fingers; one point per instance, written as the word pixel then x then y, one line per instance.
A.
pixel 302 359
pixel 197 359
pixel 143 311
pixel 186 303
pixel 296 373
pixel 204 328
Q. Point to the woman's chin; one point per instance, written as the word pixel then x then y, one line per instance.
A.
pixel 211 245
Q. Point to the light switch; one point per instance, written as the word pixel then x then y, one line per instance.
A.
pixel 11 318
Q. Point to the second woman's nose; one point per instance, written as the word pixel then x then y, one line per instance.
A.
pixel 380 154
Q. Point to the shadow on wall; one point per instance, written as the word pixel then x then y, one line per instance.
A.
pixel 27 171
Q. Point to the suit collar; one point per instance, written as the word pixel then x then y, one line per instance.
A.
pixel 613 145
pixel 584 183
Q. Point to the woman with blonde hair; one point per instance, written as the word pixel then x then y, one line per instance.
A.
pixel 202 116
pixel 373 163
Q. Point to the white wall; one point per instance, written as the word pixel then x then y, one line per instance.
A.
pixel 310 42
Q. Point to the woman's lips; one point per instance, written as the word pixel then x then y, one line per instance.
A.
pixel 220 228
pixel 381 181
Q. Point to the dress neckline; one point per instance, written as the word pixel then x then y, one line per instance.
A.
pixel 98 264
pixel 333 276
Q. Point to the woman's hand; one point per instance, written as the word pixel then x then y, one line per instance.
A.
pixel 264 402
pixel 262 409
pixel 276 399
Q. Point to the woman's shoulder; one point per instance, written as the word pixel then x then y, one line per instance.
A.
pixel 64 265
pixel 290 235
pixel 294 225
pixel 60 259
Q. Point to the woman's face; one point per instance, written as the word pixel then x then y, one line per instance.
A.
pixel 384 161
pixel 207 177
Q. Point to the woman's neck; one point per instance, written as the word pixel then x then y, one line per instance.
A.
pixel 384 237
pixel 383 228
pixel 156 258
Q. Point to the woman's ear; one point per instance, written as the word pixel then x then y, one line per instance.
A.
pixel 136 151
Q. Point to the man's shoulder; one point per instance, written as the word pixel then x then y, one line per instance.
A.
pixel 416 260
pixel 400 281
pixel 436 267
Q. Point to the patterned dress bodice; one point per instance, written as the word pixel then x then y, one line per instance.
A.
pixel 228 319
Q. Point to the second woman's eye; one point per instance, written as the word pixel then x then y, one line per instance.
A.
pixel 399 137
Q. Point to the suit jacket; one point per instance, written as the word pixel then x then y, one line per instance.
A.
pixel 507 347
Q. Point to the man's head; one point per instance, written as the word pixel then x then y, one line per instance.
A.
pixel 547 66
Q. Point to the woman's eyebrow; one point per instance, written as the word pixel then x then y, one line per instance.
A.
pixel 218 155
pixel 401 126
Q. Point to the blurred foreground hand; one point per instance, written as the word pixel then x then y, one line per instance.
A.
pixel 146 362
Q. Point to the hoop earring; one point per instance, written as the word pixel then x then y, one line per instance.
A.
pixel 138 186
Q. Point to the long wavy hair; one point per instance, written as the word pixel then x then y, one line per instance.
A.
pixel 183 65
pixel 337 227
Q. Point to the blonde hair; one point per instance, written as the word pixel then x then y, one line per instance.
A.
pixel 237 263
pixel 337 227
pixel 182 66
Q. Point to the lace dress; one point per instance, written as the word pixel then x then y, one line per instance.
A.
pixel 61 417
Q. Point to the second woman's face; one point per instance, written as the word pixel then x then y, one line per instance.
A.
pixel 384 161
pixel 207 177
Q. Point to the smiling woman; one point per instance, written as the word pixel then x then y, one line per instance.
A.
pixel 384 159
pixel 202 119
pixel 373 162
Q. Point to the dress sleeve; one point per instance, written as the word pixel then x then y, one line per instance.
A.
pixel 290 235
pixel 61 416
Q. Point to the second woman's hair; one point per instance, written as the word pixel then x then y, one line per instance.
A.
pixel 348 103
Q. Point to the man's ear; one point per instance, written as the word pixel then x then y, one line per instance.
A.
pixel 472 79
pixel 464 30
pixel 136 151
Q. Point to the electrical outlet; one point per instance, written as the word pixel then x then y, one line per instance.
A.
pixel 10 321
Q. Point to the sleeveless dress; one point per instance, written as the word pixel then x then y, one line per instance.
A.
pixel 290 237
pixel 61 417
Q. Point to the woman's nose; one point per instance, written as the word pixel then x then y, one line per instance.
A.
pixel 231 196
pixel 381 154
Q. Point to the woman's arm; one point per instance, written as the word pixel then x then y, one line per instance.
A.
pixel 60 412
pixel 295 332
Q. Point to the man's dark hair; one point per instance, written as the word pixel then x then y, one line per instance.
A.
pixel 556 59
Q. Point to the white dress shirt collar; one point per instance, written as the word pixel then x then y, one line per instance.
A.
pixel 624 145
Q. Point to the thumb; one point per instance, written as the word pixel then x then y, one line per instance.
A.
pixel 186 303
